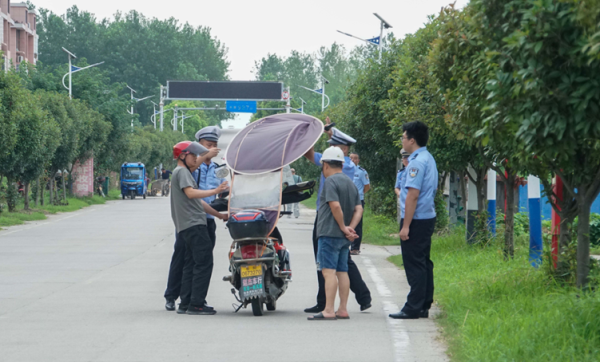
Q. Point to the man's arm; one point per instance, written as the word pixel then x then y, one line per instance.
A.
pixel 358 212
pixel 366 189
pixel 409 211
pixel 192 193
pixel 310 155
pixel 209 210
pixel 397 191
pixel 338 214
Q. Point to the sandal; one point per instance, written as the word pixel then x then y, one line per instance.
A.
pixel 321 317
pixel 354 252
pixel 339 317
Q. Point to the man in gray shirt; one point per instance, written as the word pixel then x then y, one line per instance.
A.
pixel 340 210
pixel 189 217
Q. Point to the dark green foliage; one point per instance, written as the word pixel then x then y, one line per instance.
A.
pixel 139 51
pixel 442 218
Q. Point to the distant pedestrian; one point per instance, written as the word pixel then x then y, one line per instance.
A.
pixel 166 174
pixel 339 212
pixel 417 192
pixel 361 180
pixel 296 206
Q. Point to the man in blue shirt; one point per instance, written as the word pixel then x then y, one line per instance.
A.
pixel 361 180
pixel 418 189
pixel 357 284
pixel 206 179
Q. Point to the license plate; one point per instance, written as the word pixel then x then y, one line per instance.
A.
pixel 252 282
pixel 251 271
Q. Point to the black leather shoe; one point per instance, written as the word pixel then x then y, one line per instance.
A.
pixel 182 309
pixel 365 307
pixel 170 304
pixel 424 313
pixel 402 315
pixel 316 309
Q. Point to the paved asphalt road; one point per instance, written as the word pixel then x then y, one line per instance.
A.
pixel 88 286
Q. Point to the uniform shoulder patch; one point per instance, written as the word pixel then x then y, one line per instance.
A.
pixel 413 172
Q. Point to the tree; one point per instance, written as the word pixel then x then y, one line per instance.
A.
pixel 33 134
pixel 548 86
pixel 139 51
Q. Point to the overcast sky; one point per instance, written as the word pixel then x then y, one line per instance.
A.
pixel 252 29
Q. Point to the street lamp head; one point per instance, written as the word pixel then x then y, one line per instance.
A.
pixel 131 89
pixel 68 52
pixel 385 23
pixel 325 80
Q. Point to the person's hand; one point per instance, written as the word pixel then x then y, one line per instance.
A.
pixel 222 187
pixel 223 217
pixel 349 233
pixel 213 152
pixel 327 123
pixel 404 234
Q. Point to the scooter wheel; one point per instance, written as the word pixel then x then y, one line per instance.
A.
pixel 257 307
pixel 271 306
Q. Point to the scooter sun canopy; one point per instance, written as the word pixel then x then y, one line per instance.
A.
pixel 272 142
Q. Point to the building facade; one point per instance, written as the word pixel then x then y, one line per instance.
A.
pixel 18 34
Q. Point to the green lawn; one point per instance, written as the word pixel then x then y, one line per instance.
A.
pixel 39 212
pixel 508 311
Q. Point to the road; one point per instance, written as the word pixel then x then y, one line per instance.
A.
pixel 88 286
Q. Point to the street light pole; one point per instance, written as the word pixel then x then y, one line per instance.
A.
pixel 303 102
pixel 322 95
pixel 131 112
pixel 162 104
pixel 153 118
pixel 136 100
pixel 384 24
pixel 71 55
pixel 175 119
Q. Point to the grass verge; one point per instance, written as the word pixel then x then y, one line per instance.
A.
pixel 496 310
pixel 39 212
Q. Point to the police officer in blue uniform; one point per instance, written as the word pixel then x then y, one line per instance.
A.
pixel 361 180
pixel 418 189
pixel 357 284
pixel 207 180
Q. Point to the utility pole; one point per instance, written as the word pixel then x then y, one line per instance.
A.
pixel 161 106
pixel 289 102
pixel 175 118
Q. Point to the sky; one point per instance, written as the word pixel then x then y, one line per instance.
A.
pixel 252 29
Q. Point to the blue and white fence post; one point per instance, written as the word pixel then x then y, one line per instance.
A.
pixel 535 221
pixel 471 209
pixel 491 196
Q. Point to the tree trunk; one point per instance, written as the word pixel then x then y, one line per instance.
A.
pixel 11 194
pixel 463 194
pixel 26 196
pixel 51 184
pixel 42 190
pixel 64 190
pixel 583 241
pixel 37 191
pixel 509 222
